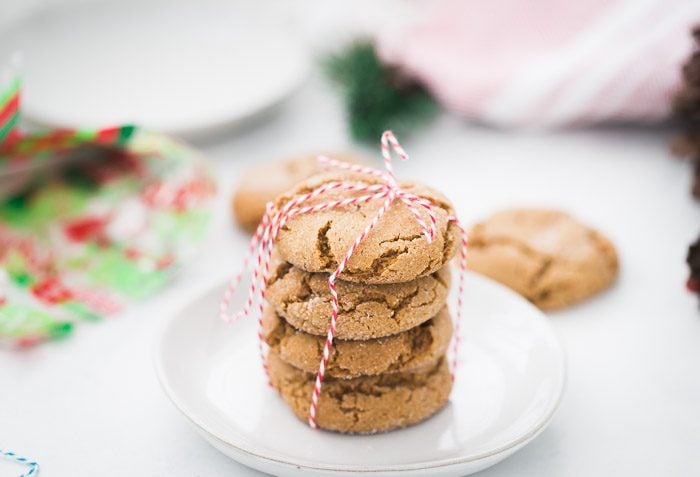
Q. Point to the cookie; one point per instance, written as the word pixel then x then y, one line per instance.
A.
pixel 366 311
pixel 545 255
pixel 368 404
pixel 395 251
pixel 408 351
pixel 263 183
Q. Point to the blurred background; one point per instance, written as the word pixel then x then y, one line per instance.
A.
pixel 501 105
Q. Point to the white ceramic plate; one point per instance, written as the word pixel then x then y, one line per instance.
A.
pixel 180 67
pixel 507 388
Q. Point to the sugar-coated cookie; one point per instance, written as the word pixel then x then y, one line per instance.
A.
pixel 263 183
pixel 367 404
pixel 395 251
pixel 366 311
pixel 408 351
pixel 545 255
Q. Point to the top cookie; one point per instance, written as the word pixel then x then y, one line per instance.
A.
pixel 263 183
pixel 545 255
pixel 395 251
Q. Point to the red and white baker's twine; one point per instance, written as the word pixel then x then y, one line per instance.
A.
pixel 262 242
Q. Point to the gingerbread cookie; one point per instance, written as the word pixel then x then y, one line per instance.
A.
pixel 545 255
pixel 366 311
pixel 263 183
pixel 395 251
pixel 368 404
pixel 408 351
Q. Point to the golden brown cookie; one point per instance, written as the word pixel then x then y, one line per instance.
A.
pixel 366 311
pixel 367 404
pixel 545 255
pixel 395 251
pixel 408 351
pixel 263 183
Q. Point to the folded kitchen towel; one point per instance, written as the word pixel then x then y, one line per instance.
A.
pixel 549 62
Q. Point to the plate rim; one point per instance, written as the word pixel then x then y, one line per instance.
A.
pixel 513 445
pixel 214 124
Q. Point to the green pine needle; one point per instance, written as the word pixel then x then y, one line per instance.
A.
pixel 373 101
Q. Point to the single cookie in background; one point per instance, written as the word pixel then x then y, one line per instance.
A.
pixel 412 350
pixel 545 255
pixel 366 311
pixel 263 183
pixel 367 404
pixel 395 251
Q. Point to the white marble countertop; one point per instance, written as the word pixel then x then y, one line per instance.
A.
pixel 91 405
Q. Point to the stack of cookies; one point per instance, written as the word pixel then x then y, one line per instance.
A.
pixel 387 368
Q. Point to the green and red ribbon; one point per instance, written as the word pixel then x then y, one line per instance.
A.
pixel 63 259
pixel 16 146
pixel 9 112
pixel 19 148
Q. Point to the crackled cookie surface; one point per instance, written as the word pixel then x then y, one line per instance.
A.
pixel 408 351
pixel 395 251
pixel 366 311
pixel 263 183
pixel 545 255
pixel 367 404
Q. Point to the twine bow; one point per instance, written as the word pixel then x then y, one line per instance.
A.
pixel 262 243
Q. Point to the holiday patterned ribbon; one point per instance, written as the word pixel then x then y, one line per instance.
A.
pixel 17 148
pixel 388 191
pixel 20 147
pixel 33 465
pixel 9 111
pixel 86 239
pixel 84 243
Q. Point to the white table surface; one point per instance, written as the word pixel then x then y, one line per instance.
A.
pixel 91 405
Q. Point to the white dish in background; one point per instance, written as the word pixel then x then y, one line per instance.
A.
pixel 508 385
pixel 179 67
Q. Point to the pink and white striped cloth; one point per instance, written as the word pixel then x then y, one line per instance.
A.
pixel 548 62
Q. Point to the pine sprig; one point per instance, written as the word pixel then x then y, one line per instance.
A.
pixel 376 96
